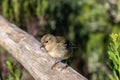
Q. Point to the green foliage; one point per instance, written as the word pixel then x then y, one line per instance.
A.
pixel 93 17
pixel 15 72
pixel 114 55
pixel 23 9
pixel 5 10
pixel 16 8
pixel 94 50
pixel 42 6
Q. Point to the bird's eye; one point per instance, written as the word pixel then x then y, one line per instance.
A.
pixel 46 41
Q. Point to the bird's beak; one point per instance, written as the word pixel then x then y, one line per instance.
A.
pixel 42 46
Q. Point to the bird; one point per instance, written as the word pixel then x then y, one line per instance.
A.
pixel 56 47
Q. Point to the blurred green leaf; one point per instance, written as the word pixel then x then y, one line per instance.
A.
pixel 114 55
pixel 10 78
pixel 9 64
pixel 5 8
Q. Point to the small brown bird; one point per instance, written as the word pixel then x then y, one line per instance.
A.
pixel 56 46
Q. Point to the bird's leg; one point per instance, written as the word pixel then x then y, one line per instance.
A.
pixel 56 62
pixel 63 66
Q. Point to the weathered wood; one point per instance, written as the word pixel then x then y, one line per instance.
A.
pixel 26 50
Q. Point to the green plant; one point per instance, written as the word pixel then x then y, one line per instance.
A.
pixel 114 55
pixel 15 72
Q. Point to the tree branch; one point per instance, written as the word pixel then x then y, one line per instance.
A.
pixel 26 50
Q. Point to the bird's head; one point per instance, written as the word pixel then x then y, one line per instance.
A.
pixel 48 39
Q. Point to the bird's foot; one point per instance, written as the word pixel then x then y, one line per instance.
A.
pixel 56 62
pixel 60 66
